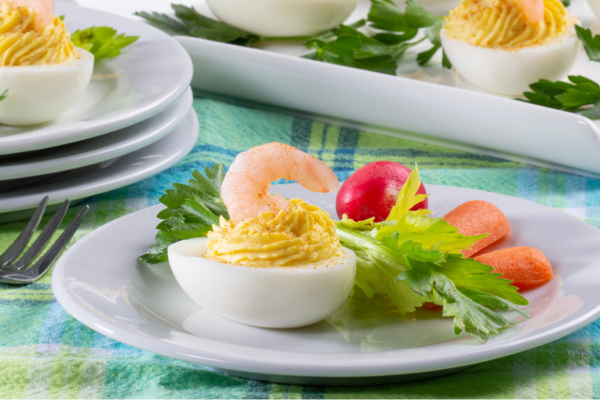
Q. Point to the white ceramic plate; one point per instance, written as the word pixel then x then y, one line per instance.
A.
pixel 98 149
pixel 428 104
pixel 144 80
pixel 100 282
pixel 124 171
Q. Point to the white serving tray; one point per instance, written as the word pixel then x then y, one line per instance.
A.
pixel 426 104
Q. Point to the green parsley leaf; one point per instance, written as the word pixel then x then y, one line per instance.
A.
pixel 417 17
pixel 581 96
pixel 433 34
pixel 445 61
pixel 344 45
pixel 191 211
pixel 387 16
pixel 102 41
pixel 4 95
pixel 566 3
pixel 591 44
pixel 191 23
pixel 424 57
pixel 353 48
pixel 433 31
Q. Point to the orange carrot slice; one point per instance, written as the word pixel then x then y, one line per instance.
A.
pixel 476 218
pixel 527 267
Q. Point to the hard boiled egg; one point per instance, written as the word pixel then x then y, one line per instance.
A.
pixel 268 297
pixel 40 93
pixel 511 71
pixel 283 18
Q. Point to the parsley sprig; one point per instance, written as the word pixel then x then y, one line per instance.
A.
pixel 381 51
pixel 581 95
pixel 191 211
pixel 189 22
pixel 591 44
pixel 102 41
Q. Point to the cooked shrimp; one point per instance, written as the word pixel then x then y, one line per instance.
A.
pixel 43 9
pixel 533 10
pixel 245 189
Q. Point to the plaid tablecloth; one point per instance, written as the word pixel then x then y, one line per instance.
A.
pixel 45 353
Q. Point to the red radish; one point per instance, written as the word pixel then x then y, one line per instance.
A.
pixel 373 190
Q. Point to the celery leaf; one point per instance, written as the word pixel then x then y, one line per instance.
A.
pixel 102 41
pixel 412 252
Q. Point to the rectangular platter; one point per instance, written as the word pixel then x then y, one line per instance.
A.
pixel 427 104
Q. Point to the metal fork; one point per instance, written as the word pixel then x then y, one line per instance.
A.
pixel 21 271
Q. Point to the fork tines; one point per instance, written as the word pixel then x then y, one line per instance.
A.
pixel 21 271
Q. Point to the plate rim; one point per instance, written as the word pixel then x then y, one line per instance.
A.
pixel 30 200
pixel 179 110
pixel 378 366
pixel 60 135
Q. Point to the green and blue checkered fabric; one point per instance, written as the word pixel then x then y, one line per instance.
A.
pixel 45 353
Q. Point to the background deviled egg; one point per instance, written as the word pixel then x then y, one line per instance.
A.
pixel 268 297
pixel 510 72
pixel 40 93
pixel 506 45
pixel 283 18
pixel 45 74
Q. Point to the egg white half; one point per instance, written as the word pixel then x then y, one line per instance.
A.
pixel 510 72
pixel 40 93
pixel 283 18
pixel 269 297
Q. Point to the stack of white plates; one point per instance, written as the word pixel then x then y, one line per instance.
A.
pixel 134 121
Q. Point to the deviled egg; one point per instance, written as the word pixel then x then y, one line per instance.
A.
pixel 506 45
pixel 283 18
pixel 44 73
pixel 275 263
pixel 267 297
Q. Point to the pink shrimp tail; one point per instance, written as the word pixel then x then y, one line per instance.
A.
pixel 245 189
pixel 533 10
pixel 43 9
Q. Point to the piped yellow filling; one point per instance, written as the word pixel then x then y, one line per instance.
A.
pixel 301 235
pixel 21 44
pixel 502 24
